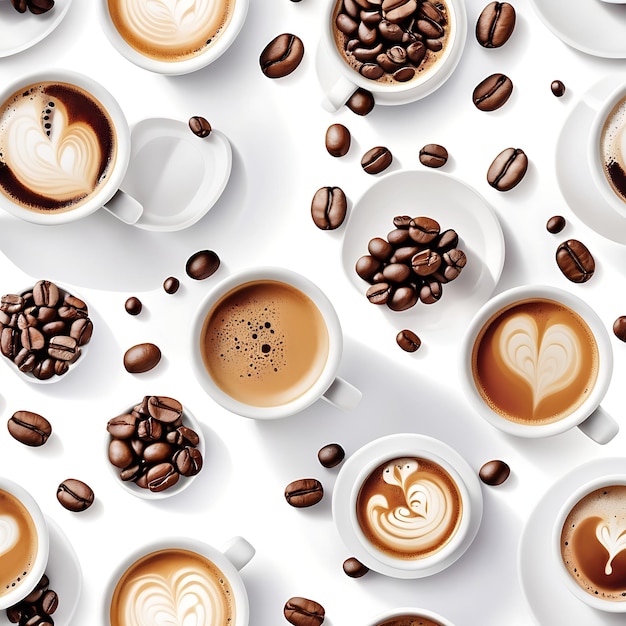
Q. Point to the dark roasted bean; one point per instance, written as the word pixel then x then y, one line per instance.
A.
pixel 575 261
pixel 557 88
pixel 200 126
pixel 378 293
pixel 354 568
pixel 304 492
pixel 161 477
pixel 555 224
pixel 281 56
pixel 331 455
pixel 492 92
pixel 337 140
pixel 495 24
pixel 75 495
pixel 367 266
pixel 361 102
pixel 402 298
pixel 29 428
pixel 164 409
pixel 171 284
pixel 133 306
pixel 507 169
pixel 408 340
pixel 376 160
pixel 619 327
pixel 304 612
pixel 423 229
pixel 433 155
pixel 494 472
pixel 202 264
pixel 329 207
pixel 141 358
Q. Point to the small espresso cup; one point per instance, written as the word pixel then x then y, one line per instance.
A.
pixel 64 149
pixel 267 343
pixel 407 505
pixel 536 361
pixel 435 52
pixel 172 37
pixel 184 581
pixel 408 616
pixel 24 543
pixel 588 543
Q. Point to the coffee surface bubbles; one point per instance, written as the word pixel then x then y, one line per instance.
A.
pixel 409 620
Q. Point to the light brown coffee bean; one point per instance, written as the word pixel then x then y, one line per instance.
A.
pixel 329 207
pixel 141 358
pixel 75 495
pixel 433 155
pixel 29 428
pixel 376 160
pixel 494 472
pixel 492 92
pixel 338 140
pixel 304 612
pixel 304 492
pixel 575 261
pixel 508 169
pixel 495 24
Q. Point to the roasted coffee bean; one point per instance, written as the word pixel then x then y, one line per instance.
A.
pixel 397 237
pixel 158 452
pixel 19 5
pixel 555 224
pixel 380 249
pixel 29 428
pixel 81 330
pixel 49 602
pixel 455 260
pixel 37 7
pixel 376 160
pixel 404 254
pixel 402 298
pixel 367 266
pixel 575 261
pixel 346 24
pixel 338 140
pixel 121 453
pixel 123 426
pixel 329 207
pixel 396 273
pixel 75 495
pixel 492 92
pixel 361 102
pixel 354 568
pixel 304 612
pixel 425 262
pixel 45 369
pixel 12 303
pixel 188 461
pixel 164 409
pixel 10 342
pixel 25 360
pixel 149 429
pixel 171 285
pixel 133 306
pixel 430 292
pixel 619 327
pixel 408 340
pixel 446 240
pixel 141 358
pixel 304 492
pixel 557 88
pixel 331 455
pixel 433 155
pixel 200 126
pixel 202 264
pixel 398 10
pixel 161 477
pixel 402 221
pixel 507 169
pixel 64 348
pixel 495 24
pixel 281 56
pixel 494 472
pixel 45 293
pixel 423 229
pixel 378 293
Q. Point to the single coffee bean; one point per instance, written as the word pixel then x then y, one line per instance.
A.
pixel 397 237
pixel 354 568
pixel 81 330
pixel 171 284
pixel 346 24
pixel 122 426
pixel 133 306
pixel 404 254
pixel 431 292
pixel 29 428
pixel 141 358
pixel 494 472
pixel 329 207
pixel 433 155
pixel 367 266
pixel 337 140
pixel 403 298
pixel 619 327
pixel 121 453
pixel 455 260
pixel 188 461
pixel 202 264
pixel 304 612
pixel 64 348
pixel 555 224
pixel 200 126
pixel 492 92
pixel 575 261
pixel 402 221
pixel 158 452
pixel 446 240
pixel 408 340
pixel 281 56
pixel 426 262
pixel 45 293
pixel 149 429
pixel 558 88
pixel 331 455
pixel 304 492
pixel 423 229
pixel 507 169
pixel 376 160
pixel 20 6
pixel 75 495
pixel 37 7
pixel 164 409
pixel 495 24
pixel 12 303
pixel 161 477
pixel 49 602
pixel 361 102
pixel 396 273
pixel 380 249
pixel 378 293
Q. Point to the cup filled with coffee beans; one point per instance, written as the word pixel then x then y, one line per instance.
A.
pixel 180 581
pixel 536 361
pixel 399 50
pixel 24 543
pixel 172 37
pixel 588 543
pixel 408 616
pixel 407 505
pixel 267 343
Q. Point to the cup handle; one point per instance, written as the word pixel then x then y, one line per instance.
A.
pixel 599 426
pixel 338 94
pixel 238 551
pixel 342 394
pixel 124 207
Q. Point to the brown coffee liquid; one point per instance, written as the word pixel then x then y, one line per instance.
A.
pixel 265 343
pixel 593 543
pixel 535 362
pixel 18 542
pixel 613 149
pixel 409 620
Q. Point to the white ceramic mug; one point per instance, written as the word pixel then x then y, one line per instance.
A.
pixel 327 385
pixel 588 415
pixel 386 616
pixel 340 80
pixel 9 534
pixel 418 488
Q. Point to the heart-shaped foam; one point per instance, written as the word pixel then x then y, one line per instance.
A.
pixel 613 538
pixel 548 363
pixel 9 533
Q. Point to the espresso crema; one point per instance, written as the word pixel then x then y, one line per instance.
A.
pixel 409 620
pixel 171 30
pixel 409 508
pixel 613 149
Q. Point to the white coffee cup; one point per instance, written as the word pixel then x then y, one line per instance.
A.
pixel 230 559
pixel 183 66
pixel 38 567
pixel 590 598
pixel 408 611
pixel 108 193
pixel 340 80
pixel 407 446
pixel 588 415
pixel 328 385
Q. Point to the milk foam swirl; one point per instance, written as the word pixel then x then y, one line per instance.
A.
pixel 612 536
pixel 9 533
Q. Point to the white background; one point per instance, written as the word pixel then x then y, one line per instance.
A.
pixel 277 129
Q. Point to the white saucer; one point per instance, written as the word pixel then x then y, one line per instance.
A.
pixel 594 27
pixel 549 600
pixel 20 31
pixel 572 168
pixel 65 576
pixel 174 174
pixel 454 204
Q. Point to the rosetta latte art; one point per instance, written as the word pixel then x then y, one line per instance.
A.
pixel 9 533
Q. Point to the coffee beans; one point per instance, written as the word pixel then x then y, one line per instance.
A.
pixel 75 495
pixel 494 472
pixel 36 608
pixel 171 284
pixel 329 207
pixel 433 155
pixel 200 126
pixel 304 612
pixel 141 358
pixel 376 160
pixel 557 88
pixel 619 327
pixel 408 340
pixel 304 492
pixel 492 92
pixel 354 568
pixel 495 24
pixel 338 140
pixel 361 102
pixel 575 261
pixel 37 7
pixel 133 306
pixel 202 264
pixel 281 56
pixel 29 428
pixel 555 224
pixel 507 169
pixel 331 455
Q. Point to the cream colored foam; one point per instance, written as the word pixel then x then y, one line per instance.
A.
pixel 9 533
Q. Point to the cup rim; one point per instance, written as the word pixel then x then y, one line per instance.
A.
pixel 122 131
pixel 184 66
pixel 509 298
pixel 335 342
pixel 43 543
pixel 408 610
pixel 568 504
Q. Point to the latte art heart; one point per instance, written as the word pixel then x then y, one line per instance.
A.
pixel 9 533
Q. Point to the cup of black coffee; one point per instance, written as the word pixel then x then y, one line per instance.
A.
pixel 408 616
pixel 267 343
